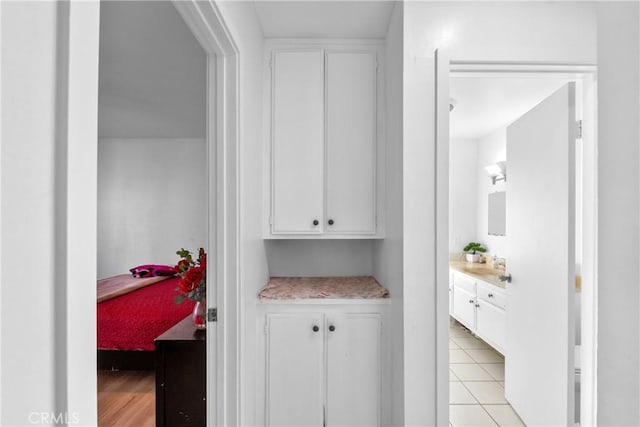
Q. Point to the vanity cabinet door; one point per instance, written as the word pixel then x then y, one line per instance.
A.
pixel 491 324
pixel 297 141
pixel 294 377
pixel 464 309
pixel 353 370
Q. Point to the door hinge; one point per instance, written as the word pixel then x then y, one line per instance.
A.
pixel 212 315
pixel 579 129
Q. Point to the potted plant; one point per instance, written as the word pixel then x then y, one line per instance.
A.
pixel 473 250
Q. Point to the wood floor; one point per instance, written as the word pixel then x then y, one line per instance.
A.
pixel 126 398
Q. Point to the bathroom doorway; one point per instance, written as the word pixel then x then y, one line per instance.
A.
pixel 484 101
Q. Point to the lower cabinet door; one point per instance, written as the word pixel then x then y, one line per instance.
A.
pixel 491 325
pixel 294 370
pixel 464 308
pixel 353 370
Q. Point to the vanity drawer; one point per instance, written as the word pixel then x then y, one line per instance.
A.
pixel 492 294
pixel 465 282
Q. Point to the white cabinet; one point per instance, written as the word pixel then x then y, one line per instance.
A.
pixel 297 141
pixel 491 317
pixel 464 300
pixel 491 324
pixel 481 307
pixel 323 151
pixel 323 367
pixel 294 370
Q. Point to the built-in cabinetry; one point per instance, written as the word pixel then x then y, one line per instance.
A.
pixel 324 364
pixel 480 306
pixel 323 133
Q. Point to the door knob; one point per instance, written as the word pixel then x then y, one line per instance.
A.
pixel 506 278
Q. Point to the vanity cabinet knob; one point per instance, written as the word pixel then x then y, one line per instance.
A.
pixel 490 295
pixel 331 222
pixel 316 222
pixel 332 328
pixel 315 328
pixel 477 305
pixel 470 301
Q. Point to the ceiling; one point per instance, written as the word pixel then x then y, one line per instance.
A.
pixel 324 19
pixel 485 104
pixel 152 78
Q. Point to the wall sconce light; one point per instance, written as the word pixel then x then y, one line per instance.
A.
pixel 497 172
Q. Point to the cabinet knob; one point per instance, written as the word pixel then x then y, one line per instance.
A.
pixel 316 222
pixel 331 222
pixel 315 328
pixel 332 328
pixel 477 305
pixel 470 301
pixel 490 295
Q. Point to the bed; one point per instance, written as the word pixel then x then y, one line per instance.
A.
pixel 131 313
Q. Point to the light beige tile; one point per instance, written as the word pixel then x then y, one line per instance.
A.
pixel 496 370
pixel 470 342
pixel 452 376
pixel 456 330
pixel 453 345
pixel 504 415
pixel 485 356
pixel 459 356
pixel 486 391
pixel 470 372
pixel 469 416
pixel 458 394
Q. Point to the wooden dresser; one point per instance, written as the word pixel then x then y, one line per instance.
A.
pixel 181 376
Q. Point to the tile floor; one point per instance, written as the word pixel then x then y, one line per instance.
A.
pixel 476 383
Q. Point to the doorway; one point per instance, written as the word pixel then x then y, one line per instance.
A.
pixel 207 25
pixel 470 180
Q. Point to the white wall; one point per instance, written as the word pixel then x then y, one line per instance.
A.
pixel 48 154
pixel 243 24
pixel 152 201
pixel 290 258
pixel 618 214
pixel 387 253
pixel 463 193
pixel 152 155
pixel 491 149
pixel 472 31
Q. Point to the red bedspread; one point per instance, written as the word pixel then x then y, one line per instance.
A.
pixel 134 320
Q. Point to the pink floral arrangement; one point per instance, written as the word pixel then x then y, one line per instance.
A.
pixel 193 274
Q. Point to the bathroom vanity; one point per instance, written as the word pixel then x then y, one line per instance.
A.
pixel 478 300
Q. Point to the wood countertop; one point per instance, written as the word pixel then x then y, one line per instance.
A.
pixel 479 271
pixel 490 275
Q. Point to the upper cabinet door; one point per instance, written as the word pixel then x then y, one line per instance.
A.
pixel 350 142
pixel 297 152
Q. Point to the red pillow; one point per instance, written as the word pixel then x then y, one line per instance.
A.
pixel 150 270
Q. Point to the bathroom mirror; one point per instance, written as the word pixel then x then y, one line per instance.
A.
pixel 497 213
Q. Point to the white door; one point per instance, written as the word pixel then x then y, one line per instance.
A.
pixel 540 231
pixel 353 370
pixel 297 129
pixel 351 142
pixel 294 393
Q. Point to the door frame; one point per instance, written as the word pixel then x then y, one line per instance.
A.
pixel 205 21
pixel 586 75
